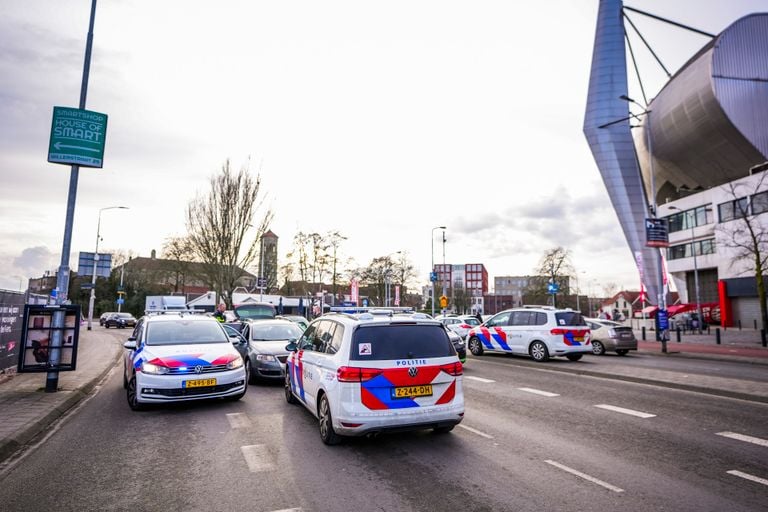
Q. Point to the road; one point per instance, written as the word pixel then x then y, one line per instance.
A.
pixel 533 439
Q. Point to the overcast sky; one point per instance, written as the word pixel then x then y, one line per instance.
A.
pixel 380 120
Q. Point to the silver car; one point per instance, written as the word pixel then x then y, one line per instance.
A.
pixel 611 336
pixel 266 354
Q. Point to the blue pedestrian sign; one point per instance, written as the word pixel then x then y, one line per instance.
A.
pixel 433 276
pixel 120 301
pixel 553 288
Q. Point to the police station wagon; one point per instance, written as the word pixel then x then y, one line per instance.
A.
pixel 539 332
pixel 178 356
pixel 365 374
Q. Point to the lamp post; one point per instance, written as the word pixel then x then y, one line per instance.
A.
pixel 262 279
pixel 96 262
pixel 695 264
pixel 388 280
pixel 432 268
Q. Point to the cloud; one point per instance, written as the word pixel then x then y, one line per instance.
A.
pixel 34 260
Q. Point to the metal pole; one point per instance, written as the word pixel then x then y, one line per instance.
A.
pixel 661 299
pixel 442 310
pixel 432 269
pixel 93 278
pixel 261 270
pixel 62 276
pixel 696 276
pixel 120 295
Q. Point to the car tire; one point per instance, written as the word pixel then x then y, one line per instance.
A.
pixel 125 380
pixel 106 326
pixel 288 393
pixel 250 378
pixel 327 434
pixel 573 357
pixel 622 351
pixel 598 348
pixel 133 396
pixel 443 430
pixel 538 351
pixel 475 346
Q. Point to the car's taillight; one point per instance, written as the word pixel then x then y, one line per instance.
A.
pixel 454 369
pixel 465 326
pixel 561 332
pixel 352 374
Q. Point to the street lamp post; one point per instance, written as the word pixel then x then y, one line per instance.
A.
pixel 96 262
pixel 388 280
pixel 432 268
pixel 692 218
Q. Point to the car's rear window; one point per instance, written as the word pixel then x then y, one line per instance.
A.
pixel 393 341
pixel 569 318
pixel 184 332
pixel 255 311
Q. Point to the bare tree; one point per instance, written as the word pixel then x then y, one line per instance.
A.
pixel 334 241
pixel 220 226
pixel 744 234
pixel 178 249
pixel 555 264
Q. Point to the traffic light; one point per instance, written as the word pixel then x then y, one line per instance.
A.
pixel 443 301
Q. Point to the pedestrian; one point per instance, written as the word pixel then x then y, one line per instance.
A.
pixel 219 314
pixel 479 317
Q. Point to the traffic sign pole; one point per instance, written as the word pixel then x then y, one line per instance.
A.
pixel 62 277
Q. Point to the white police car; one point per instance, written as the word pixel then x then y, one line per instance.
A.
pixel 178 356
pixel 540 332
pixel 366 374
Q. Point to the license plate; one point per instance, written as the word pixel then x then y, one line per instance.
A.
pixel 199 383
pixel 578 338
pixel 412 391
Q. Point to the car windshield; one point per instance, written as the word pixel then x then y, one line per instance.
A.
pixel 184 332
pixel 255 311
pixel 569 318
pixel 392 341
pixel 275 332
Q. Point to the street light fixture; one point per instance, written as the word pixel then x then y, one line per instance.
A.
pixel 692 218
pixel 432 268
pixel 96 262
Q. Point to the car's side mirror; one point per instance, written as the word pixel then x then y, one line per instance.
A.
pixel 291 347
pixel 130 344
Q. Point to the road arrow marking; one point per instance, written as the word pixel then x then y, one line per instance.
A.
pixel 59 145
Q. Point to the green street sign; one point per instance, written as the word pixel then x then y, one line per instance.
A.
pixel 77 137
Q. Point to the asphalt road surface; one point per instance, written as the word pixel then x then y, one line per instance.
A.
pixel 533 439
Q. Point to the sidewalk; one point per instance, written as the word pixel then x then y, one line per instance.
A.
pixel 26 410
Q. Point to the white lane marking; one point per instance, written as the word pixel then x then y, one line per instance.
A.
pixel 585 476
pixel 289 510
pixel 538 392
pixel 479 379
pixel 238 420
pixel 747 476
pixel 625 411
pixel 742 437
pixel 475 431
pixel 258 458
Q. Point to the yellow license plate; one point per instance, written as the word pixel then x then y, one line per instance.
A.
pixel 578 338
pixel 200 383
pixel 412 391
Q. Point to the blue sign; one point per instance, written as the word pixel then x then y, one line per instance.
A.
pixel 365 303
pixel 663 319
pixel 120 301
pixel 433 276
pixel 553 288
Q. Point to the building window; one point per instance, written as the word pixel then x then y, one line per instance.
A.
pixel 681 251
pixel 683 220
pixel 732 209
pixel 760 203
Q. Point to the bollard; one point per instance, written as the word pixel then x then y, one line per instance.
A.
pixel 739 324
pixel 678 334
pixel 762 336
pixel 717 335
pixel 643 334
pixel 708 331
pixel 754 321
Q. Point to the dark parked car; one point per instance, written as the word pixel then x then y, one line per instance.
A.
pixel 104 316
pixel 266 352
pixel 120 320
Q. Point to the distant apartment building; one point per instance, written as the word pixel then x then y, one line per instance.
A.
pixel 467 283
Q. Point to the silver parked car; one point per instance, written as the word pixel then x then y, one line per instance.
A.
pixel 611 336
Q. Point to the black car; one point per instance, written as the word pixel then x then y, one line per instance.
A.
pixel 120 320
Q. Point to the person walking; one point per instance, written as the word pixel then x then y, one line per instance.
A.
pixel 219 314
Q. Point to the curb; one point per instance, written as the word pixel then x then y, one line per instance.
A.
pixel 703 355
pixel 21 438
